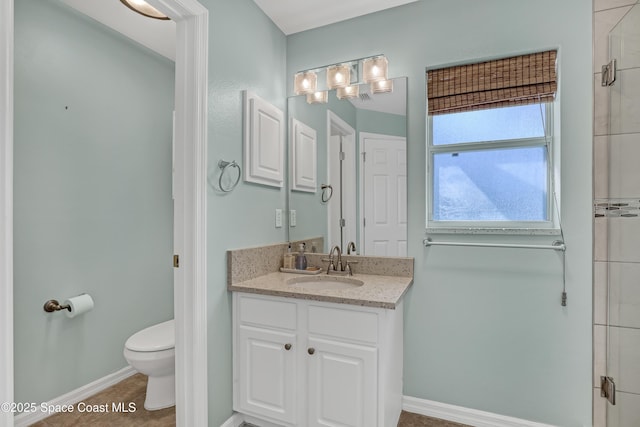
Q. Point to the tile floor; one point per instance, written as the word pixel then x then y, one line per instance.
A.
pixel 132 390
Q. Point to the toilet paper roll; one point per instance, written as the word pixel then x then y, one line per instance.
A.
pixel 79 304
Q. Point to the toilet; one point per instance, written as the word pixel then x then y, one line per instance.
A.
pixel 151 351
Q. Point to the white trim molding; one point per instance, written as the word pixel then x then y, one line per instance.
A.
pixel 428 408
pixel 238 419
pixel 463 415
pixel 6 208
pixel 74 396
pixel 190 208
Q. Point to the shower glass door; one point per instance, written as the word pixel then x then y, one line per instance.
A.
pixel 623 328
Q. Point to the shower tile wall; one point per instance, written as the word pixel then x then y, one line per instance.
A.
pixel 616 148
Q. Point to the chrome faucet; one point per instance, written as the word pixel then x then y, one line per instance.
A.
pixel 351 247
pixel 332 266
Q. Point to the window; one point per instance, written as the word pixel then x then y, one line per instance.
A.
pixel 490 163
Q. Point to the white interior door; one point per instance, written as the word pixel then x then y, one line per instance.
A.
pixel 384 193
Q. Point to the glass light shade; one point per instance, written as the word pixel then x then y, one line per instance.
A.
pixel 348 92
pixel 321 97
pixel 338 76
pixel 305 83
pixel 144 8
pixel 382 86
pixel 375 69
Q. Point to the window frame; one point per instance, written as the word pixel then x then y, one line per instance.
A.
pixel 549 140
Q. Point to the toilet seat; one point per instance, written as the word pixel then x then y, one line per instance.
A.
pixel 154 338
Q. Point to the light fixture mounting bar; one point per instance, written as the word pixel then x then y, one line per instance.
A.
pixel 356 77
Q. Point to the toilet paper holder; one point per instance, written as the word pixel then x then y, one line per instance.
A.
pixel 53 305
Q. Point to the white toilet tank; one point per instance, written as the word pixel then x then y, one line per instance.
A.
pixel 154 338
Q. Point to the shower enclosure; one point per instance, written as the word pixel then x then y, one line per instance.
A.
pixel 617 255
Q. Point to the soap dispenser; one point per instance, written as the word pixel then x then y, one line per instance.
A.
pixel 301 259
pixel 288 261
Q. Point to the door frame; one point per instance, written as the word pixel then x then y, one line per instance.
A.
pixel 361 190
pixel 6 208
pixel 190 231
pixel 335 121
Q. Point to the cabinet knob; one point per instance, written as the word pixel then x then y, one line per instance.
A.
pixel 287 347
pixel 311 350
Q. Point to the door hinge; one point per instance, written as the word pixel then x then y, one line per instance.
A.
pixel 608 389
pixel 342 155
pixel 364 156
pixel 343 223
pixel 364 222
pixel 176 261
pixel 609 73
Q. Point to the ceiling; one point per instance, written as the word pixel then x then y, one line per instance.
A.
pixel 157 35
pixel 293 16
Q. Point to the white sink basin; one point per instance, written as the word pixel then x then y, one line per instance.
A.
pixel 324 282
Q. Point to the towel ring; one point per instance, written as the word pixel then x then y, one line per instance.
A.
pixel 324 196
pixel 224 166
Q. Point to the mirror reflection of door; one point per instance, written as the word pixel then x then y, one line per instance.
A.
pixel 384 195
pixel 341 162
pixel 341 124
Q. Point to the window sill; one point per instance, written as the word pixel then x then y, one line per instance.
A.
pixel 495 231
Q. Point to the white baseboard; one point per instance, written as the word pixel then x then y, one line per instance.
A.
pixel 237 419
pixel 462 415
pixel 74 396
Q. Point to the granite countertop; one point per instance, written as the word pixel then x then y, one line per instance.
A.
pixel 377 291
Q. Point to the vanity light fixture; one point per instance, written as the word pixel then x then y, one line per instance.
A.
pixel 382 86
pixel 375 69
pixel 144 8
pixel 306 83
pixel 321 97
pixel 338 76
pixel 348 92
pixel 341 75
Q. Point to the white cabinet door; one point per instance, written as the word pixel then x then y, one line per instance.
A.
pixel 342 384
pixel 264 136
pixel 267 373
pixel 303 157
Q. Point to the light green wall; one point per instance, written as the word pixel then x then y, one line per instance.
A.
pixel 384 123
pixel 484 328
pixel 246 51
pixel 92 208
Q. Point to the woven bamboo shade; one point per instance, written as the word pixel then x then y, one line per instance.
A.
pixel 518 80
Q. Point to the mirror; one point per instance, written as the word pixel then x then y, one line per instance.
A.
pixel 359 196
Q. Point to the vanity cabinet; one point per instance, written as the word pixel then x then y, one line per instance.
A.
pixel 309 363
